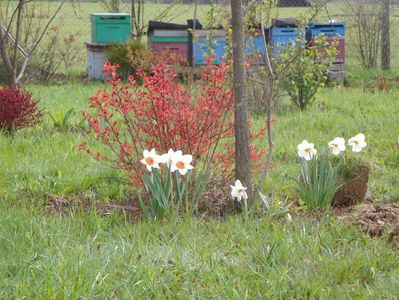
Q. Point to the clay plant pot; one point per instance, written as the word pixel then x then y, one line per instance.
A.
pixel 353 189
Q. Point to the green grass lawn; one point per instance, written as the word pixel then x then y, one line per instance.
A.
pixel 41 161
pixel 88 255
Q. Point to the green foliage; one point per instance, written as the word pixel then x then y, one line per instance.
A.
pixel 165 193
pixel 77 255
pixel 62 121
pixel 37 156
pixel 88 255
pixel 318 182
pixel 275 208
pixel 303 69
pixel 349 165
pixel 169 192
pixel 130 57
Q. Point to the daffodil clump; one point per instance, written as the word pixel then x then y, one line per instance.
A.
pixel 168 182
pixel 318 182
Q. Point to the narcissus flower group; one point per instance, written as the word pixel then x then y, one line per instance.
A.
pixel 175 161
pixel 307 150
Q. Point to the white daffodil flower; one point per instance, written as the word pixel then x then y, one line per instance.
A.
pixel 167 157
pixel 357 142
pixel 238 191
pixel 151 159
pixel 181 163
pixel 306 150
pixel 337 145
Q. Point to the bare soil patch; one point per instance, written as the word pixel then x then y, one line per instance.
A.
pixel 60 205
pixel 376 219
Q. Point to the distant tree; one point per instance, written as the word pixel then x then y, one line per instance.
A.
pixel 365 20
pixel 17 26
pixel 385 36
pixel 137 14
pixel 112 6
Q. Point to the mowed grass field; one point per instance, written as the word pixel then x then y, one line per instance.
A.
pixel 88 255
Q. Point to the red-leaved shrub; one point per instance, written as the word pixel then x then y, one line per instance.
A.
pixel 163 113
pixel 17 109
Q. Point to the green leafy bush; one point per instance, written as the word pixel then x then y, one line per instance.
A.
pixel 130 57
pixel 303 69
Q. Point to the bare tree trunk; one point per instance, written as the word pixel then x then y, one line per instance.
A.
pixel 17 33
pixel 385 36
pixel 242 157
pixel 11 75
pixel 137 15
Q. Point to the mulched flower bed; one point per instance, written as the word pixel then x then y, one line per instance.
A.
pixel 375 219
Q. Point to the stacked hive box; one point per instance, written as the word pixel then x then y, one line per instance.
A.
pixel 169 43
pixel 282 33
pixel 181 45
pixel 204 43
pixel 255 48
pixel 214 42
pixel 335 33
pixel 106 29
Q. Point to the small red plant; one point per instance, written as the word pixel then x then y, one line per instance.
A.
pixel 17 109
pixel 164 114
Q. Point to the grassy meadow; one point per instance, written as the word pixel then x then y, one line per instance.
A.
pixel 42 161
pixel 86 254
pixel 82 254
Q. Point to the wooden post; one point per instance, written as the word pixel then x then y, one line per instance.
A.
pixel 242 157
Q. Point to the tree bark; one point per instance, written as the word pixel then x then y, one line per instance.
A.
pixel 242 157
pixel 385 36
pixel 5 57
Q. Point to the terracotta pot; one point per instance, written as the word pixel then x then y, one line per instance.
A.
pixel 353 190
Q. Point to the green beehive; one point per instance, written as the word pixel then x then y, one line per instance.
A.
pixel 109 28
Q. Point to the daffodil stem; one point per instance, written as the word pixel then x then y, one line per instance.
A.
pixel 186 199
pixel 245 207
pixel 172 190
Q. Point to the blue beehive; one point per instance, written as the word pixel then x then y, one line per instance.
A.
pixel 328 29
pixel 206 43
pixel 335 33
pixel 255 48
pixel 281 37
